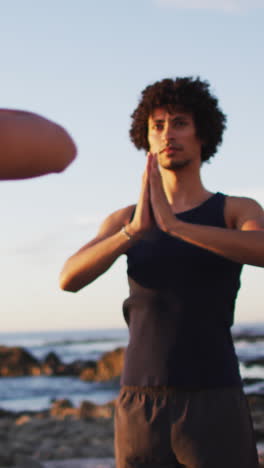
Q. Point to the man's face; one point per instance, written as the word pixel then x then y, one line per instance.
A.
pixel 173 137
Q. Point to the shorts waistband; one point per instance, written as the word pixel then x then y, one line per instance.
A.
pixel 156 390
pixel 159 389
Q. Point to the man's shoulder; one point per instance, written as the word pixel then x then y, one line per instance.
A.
pixel 238 202
pixel 239 208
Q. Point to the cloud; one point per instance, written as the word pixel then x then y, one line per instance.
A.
pixel 222 5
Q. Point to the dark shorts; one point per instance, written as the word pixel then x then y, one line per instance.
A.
pixel 172 428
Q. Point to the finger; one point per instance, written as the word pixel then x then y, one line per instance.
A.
pixel 155 167
pixel 145 185
pixel 149 162
pixel 155 158
pixel 155 178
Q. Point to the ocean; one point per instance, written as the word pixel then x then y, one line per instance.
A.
pixel 36 393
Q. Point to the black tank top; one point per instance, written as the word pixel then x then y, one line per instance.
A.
pixel 180 309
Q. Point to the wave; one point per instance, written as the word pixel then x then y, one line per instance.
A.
pixel 72 342
pixel 250 333
pixel 64 338
pixel 248 336
pixel 39 392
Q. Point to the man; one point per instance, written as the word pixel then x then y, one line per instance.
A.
pixel 31 145
pixel 181 403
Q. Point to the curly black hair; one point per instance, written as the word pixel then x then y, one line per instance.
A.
pixel 186 94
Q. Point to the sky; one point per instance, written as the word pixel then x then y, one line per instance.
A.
pixel 84 64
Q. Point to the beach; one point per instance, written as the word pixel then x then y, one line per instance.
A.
pixel 62 432
pixel 75 437
pixel 57 410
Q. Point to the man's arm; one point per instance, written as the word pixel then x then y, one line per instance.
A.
pixel 242 241
pixel 31 145
pixel 94 258
pixel 97 256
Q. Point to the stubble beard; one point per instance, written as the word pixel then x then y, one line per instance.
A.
pixel 175 165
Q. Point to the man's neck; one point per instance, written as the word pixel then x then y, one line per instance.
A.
pixel 184 189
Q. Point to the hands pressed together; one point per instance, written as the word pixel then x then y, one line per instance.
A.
pixel 153 207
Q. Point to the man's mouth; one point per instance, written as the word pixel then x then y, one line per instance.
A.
pixel 171 149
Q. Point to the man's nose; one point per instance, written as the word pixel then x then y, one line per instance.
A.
pixel 167 132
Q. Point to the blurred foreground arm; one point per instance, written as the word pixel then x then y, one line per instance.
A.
pixel 31 145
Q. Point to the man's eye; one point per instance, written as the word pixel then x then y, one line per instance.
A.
pixel 180 123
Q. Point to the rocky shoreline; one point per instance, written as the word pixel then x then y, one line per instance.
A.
pixel 63 432
pixel 29 439
pixel 18 362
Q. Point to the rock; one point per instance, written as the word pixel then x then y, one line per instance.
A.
pixel 46 449
pixel 5 455
pixel 5 413
pixel 89 410
pixel 52 365
pixel 255 401
pixel 62 408
pixel 256 405
pixel 15 362
pixel 89 435
pixel 82 463
pixel 88 374
pixel 22 461
pixel 64 451
pixel 77 367
pixel 22 419
pixel 261 461
pixel 108 367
